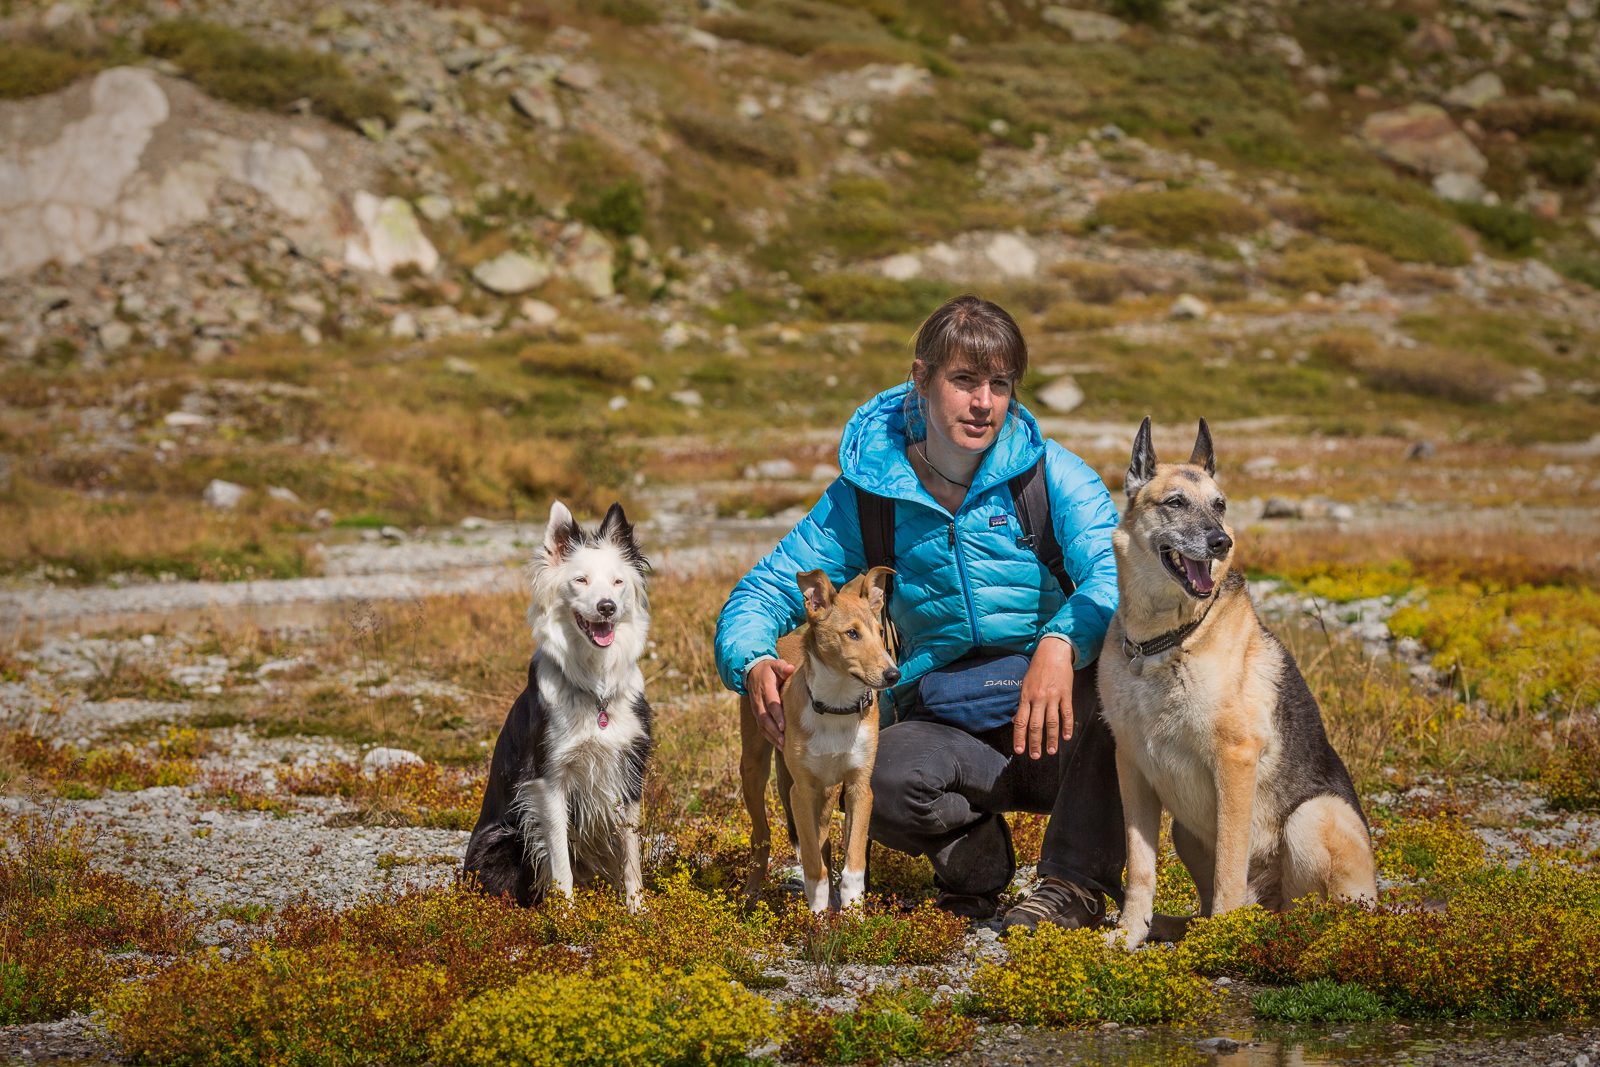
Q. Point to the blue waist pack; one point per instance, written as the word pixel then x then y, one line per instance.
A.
pixel 975 693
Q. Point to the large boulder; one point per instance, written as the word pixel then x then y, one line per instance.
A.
pixel 511 273
pixel 389 237
pixel 591 263
pixel 1423 138
pixel 1477 91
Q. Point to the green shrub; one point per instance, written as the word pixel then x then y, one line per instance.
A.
pixel 1564 158
pixel 1526 116
pixel 231 66
pixel 33 70
pixel 1440 849
pixel 1507 229
pixel 876 934
pixel 1361 38
pixel 869 298
pixel 1319 1001
pixel 1570 780
pixel 328 1007
pixel 627 12
pixel 896 1023
pixel 1139 10
pixel 629 1018
pixel 605 363
pixel 1178 216
pixel 619 208
pixel 765 143
pixel 1072 316
pixel 1406 233
pixel 942 140
pixel 1072 978
pixel 1317 269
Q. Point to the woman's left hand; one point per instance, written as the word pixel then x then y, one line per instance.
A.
pixel 1045 712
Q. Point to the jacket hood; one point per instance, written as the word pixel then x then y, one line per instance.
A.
pixel 872 451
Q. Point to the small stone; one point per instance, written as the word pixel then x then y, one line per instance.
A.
pixel 858 138
pixel 392 533
pixel 1108 1027
pixel 1188 306
pixel 403 327
pixel 1422 137
pixel 696 38
pixel 115 335
pixel 288 496
pixel 617 403
pixel 1281 507
pixel 580 76
pixel 1420 450
pixel 1477 91
pixel 224 496
pixel 182 419
pixel 538 313
pixel 1012 255
pixel 676 335
pixel 1222 1046
pixel 1459 188
pixel 643 383
pixel 901 267
pixel 1431 38
pixel 1342 513
pixel 511 273
pixel 322 518
pixel 538 103
pixel 1260 464
pixel 591 264
pixel 1085 26
pixel 774 468
pixel 689 398
pixel 305 304
pixel 310 335
pixel 385 758
pixel 1062 395
pixel 824 472
pixel 435 208
pixel 456 365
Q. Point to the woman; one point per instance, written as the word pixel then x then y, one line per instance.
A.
pixel 977 615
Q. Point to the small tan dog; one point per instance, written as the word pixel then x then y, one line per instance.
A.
pixel 1213 719
pixel 830 734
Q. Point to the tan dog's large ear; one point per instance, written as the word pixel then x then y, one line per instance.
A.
pixel 818 591
pixel 1204 455
pixel 877 583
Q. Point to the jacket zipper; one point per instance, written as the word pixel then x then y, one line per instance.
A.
pixel 966 588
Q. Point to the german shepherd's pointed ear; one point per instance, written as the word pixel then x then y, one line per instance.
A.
pixel 1142 467
pixel 1203 456
pixel 616 529
pixel 817 590
pixel 561 534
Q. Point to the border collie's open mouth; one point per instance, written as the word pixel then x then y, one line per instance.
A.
pixel 602 632
pixel 1193 574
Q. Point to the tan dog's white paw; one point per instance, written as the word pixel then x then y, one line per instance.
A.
pixel 1124 938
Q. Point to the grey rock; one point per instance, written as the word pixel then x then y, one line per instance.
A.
pixel 1420 450
pixel 591 264
pixel 1477 91
pixel 115 335
pixel 538 103
pixel 1085 26
pixel 511 273
pixel 1281 507
pixel 1222 1046
pixel 1062 395
pixel 1188 306
pixel 389 238
pixel 1423 138
pixel 288 496
pixel 224 496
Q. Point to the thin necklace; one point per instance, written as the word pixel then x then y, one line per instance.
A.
pixel 940 473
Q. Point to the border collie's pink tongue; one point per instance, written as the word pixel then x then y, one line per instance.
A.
pixel 601 633
pixel 1198 572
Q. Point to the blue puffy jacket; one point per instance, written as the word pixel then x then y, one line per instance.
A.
pixel 963 581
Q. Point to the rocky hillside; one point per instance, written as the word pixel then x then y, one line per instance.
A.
pixel 374 254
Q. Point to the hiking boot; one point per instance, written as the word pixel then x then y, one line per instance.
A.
pixel 1061 903
pixel 976 907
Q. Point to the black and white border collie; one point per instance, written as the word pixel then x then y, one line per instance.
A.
pixel 562 802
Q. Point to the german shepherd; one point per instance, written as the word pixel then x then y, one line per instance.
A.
pixel 830 735
pixel 1212 717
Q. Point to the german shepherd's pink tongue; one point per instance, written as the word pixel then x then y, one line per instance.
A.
pixel 601 633
pixel 1199 573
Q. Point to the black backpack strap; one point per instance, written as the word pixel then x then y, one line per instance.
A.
pixel 1032 497
pixel 877 528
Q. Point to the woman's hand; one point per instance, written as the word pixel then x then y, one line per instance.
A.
pixel 763 683
pixel 1045 712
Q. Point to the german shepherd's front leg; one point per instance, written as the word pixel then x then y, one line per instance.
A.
pixel 857 815
pixel 552 801
pixel 1236 801
pixel 1141 813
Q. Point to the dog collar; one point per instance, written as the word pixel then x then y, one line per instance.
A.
pixel 824 709
pixel 1139 651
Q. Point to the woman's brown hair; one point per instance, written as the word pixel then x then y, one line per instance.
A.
pixel 977 331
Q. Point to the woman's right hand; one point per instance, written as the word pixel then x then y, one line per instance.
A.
pixel 763 684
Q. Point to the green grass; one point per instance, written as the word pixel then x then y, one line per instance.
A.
pixel 1321 1001
pixel 230 65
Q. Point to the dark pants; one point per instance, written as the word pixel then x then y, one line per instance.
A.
pixel 940 792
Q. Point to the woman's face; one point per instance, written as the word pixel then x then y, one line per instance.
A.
pixel 966 407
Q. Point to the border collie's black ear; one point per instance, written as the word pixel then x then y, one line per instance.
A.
pixel 1203 455
pixel 616 529
pixel 561 534
pixel 817 589
pixel 1142 467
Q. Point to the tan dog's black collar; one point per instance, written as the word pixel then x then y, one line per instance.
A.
pixel 824 709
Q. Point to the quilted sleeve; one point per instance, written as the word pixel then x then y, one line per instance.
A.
pixel 1084 518
pixel 766 604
